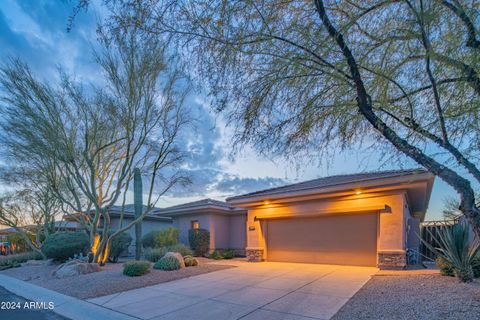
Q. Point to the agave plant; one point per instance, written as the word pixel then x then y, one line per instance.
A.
pixel 458 248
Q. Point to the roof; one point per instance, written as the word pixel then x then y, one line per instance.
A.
pixel 326 184
pixel 129 211
pixel 200 206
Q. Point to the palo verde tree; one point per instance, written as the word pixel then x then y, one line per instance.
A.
pixel 300 77
pixel 91 139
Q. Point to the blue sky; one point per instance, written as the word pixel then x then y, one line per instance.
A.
pixel 35 31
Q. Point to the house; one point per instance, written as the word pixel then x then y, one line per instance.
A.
pixel 365 219
pixel 226 223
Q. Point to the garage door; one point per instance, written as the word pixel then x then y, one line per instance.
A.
pixel 339 239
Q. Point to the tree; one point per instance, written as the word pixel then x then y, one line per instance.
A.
pixel 138 208
pixel 300 77
pixel 31 214
pixel 91 139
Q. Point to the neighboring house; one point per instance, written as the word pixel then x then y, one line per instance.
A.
pixel 367 219
pixel 225 223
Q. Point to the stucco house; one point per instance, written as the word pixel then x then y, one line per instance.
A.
pixel 365 219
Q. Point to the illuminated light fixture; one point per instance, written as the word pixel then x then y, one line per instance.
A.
pixel 358 192
pixel 266 202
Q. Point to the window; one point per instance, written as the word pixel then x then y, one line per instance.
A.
pixel 195 224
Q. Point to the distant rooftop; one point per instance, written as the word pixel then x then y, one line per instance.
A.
pixel 330 182
pixel 204 204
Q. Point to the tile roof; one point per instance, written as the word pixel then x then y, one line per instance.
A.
pixel 331 181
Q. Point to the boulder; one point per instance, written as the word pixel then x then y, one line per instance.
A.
pixel 178 256
pixel 75 268
pixel 35 263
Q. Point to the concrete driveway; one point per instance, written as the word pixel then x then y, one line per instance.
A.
pixel 267 290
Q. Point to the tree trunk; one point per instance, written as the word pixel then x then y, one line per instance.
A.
pixel 138 203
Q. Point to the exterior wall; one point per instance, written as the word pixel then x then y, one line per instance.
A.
pixel 238 233
pixel 226 231
pixel 391 226
pixel 147 226
pixel 183 223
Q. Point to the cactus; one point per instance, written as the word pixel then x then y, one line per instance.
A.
pixel 138 207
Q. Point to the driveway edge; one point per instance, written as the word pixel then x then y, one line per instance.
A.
pixel 66 306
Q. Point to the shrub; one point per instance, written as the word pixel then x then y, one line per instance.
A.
pixel 446 268
pixel 136 268
pixel 190 261
pixel 199 241
pixel 63 245
pixel 154 254
pixel 228 253
pixel 119 244
pixel 161 238
pixel 217 255
pixel 14 260
pixel 456 248
pixel 476 266
pixel 167 263
pixel 180 248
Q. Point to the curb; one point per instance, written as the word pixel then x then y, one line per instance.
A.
pixel 66 306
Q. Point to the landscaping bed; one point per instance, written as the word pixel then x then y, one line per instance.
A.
pixel 108 281
pixel 416 296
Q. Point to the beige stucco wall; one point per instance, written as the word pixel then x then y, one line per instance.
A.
pixel 226 231
pixel 391 226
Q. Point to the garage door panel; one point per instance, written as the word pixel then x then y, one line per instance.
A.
pixel 344 239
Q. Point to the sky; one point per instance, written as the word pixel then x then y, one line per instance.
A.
pixel 35 31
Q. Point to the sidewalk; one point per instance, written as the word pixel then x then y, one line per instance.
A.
pixel 65 306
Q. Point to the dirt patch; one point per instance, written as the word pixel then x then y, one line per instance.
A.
pixel 414 297
pixel 108 281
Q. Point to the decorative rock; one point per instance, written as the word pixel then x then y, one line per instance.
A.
pixel 35 263
pixel 254 255
pixel 178 256
pixel 75 268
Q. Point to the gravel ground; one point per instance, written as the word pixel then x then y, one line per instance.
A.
pixel 422 297
pixel 109 280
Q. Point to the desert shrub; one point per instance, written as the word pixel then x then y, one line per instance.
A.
pixel 161 238
pixel 180 248
pixel 228 253
pixel 14 260
pixel 136 268
pixel 190 261
pixel 154 254
pixel 167 263
pixel 476 266
pixel 63 245
pixel 217 255
pixel 199 241
pixel 446 268
pixel 456 248
pixel 119 244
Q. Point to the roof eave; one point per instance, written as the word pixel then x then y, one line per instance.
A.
pixel 248 201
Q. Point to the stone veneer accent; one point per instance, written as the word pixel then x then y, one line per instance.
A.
pixel 392 260
pixel 254 255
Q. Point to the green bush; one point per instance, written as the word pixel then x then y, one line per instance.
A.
pixel 161 238
pixel 456 247
pixel 14 260
pixel 199 241
pixel 154 254
pixel 63 245
pixel 190 261
pixel 180 248
pixel 136 268
pixel 217 255
pixel 119 244
pixel 228 253
pixel 167 263
pixel 446 268
pixel 476 266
